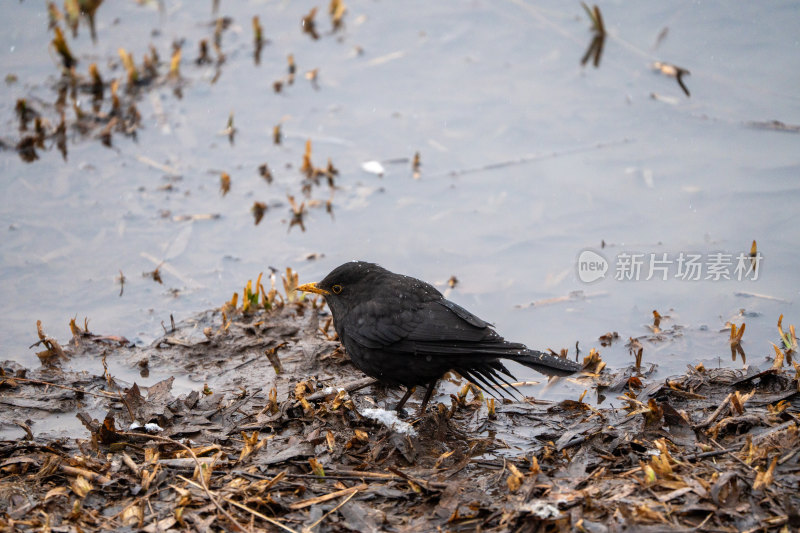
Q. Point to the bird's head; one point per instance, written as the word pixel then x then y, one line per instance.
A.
pixel 346 285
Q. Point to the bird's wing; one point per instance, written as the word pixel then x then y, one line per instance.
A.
pixel 441 330
pixel 462 313
pixel 421 327
pixel 380 323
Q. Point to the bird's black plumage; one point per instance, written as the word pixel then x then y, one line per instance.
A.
pixel 402 331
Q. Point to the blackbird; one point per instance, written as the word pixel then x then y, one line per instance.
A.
pixel 402 331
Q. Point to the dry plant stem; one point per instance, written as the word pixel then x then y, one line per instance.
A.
pixel 758 439
pixel 330 496
pixel 244 508
pixel 127 406
pixel 364 474
pixel 425 484
pixel 710 420
pixel 323 517
pixel 703 523
pixel 88 474
pixel 82 391
pixel 734 457
pixel 355 475
pixel 199 469
pixel 130 463
pixel 349 387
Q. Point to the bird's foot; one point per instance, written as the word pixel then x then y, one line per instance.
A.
pixel 401 412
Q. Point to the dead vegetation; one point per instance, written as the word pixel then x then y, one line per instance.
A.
pixel 277 438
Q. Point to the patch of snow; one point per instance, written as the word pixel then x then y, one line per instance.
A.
pixel 149 427
pixel 373 167
pixel 390 420
pixel 542 509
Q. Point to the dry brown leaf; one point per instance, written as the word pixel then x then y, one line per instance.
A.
pixel 224 183
pixel 534 468
pixel 81 487
pixel 779 357
pixel 56 492
pixel 646 514
pixel 133 516
pixel 765 477
pixel 251 444
pixel 514 479
pixel 316 467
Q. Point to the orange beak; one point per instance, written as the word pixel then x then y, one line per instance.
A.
pixel 312 287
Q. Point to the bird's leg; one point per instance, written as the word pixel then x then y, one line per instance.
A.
pixel 428 394
pixel 404 399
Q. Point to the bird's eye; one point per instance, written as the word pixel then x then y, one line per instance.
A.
pixel 337 289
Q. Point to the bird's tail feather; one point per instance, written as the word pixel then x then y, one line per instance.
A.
pixel 489 377
pixel 548 364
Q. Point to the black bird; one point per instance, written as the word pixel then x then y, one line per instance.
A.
pixel 402 331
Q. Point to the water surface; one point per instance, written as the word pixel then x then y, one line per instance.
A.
pixel 528 159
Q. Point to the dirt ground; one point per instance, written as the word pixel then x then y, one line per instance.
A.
pixel 290 436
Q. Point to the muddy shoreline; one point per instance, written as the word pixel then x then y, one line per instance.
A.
pixel 279 443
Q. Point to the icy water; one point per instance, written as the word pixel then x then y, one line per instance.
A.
pixel 527 159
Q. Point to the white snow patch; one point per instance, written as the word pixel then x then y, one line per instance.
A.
pixel 373 167
pixel 149 427
pixel 541 509
pixel 390 420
